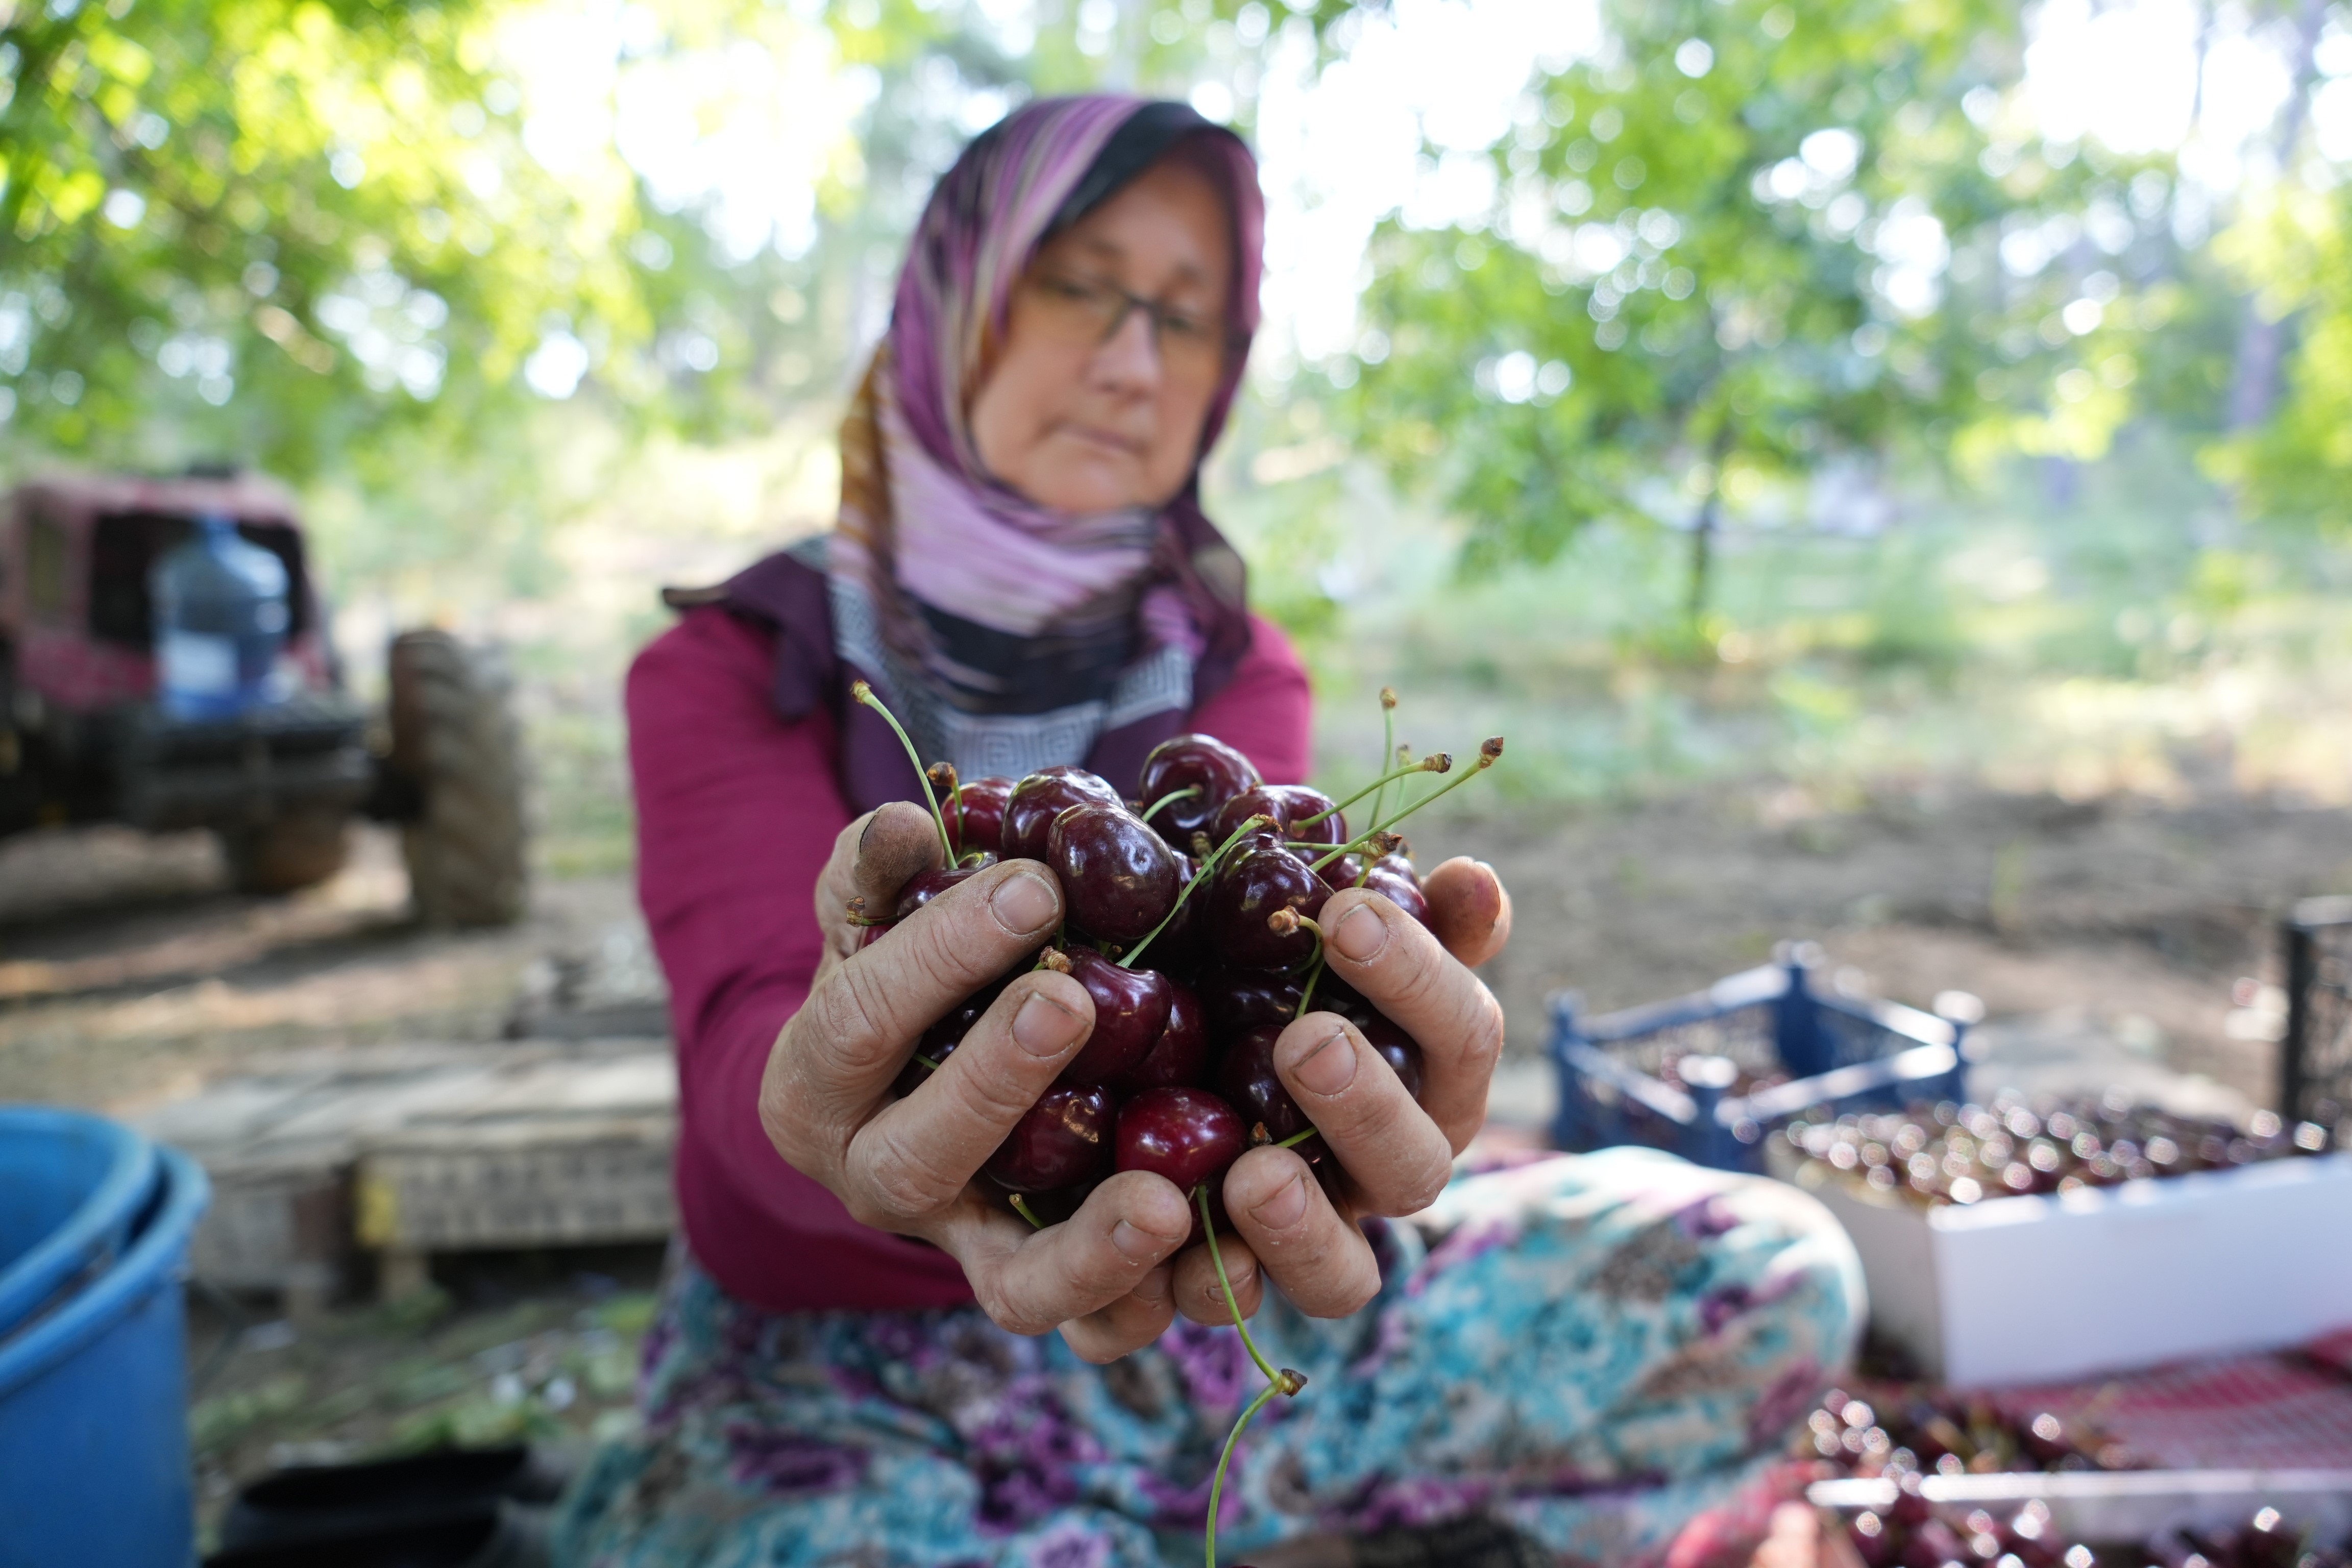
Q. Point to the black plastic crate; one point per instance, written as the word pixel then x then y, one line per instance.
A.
pixel 2315 1058
pixel 1707 1076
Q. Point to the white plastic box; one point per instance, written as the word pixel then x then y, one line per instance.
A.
pixel 2048 1288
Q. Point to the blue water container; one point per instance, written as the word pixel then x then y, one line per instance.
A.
pixel 93 1405
pixel 221 615
pixel 70 1186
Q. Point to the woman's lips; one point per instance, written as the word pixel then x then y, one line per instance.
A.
pixel 1108 440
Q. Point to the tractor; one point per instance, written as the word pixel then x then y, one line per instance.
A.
pixel 84 738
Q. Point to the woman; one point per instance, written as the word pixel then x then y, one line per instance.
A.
pixel 861 1359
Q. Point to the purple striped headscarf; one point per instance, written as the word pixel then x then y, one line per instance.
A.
pixel 964 597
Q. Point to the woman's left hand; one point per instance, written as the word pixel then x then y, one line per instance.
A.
pixel 1394 1155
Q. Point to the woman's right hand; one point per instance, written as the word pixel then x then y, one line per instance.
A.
pixel 907 1165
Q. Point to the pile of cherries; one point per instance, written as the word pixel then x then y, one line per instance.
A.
pixel 1903 1432
pixel 1190 920
pixel 1952 1153
pixel 1874 1427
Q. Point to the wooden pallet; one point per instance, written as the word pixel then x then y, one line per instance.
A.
pixel 426 1148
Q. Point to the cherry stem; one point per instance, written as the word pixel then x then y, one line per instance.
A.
pixel 1489 750
pixel 1307 992
pixel 1173 796
pixel 1217 1256
pixel 865 693
pixel 1217 1483
pixel 1387 743
pixel 1435 762
pixel 944 775
pixel 929 1063
pixel 1020 1208
pixel 1296 1138
pixel 1208 864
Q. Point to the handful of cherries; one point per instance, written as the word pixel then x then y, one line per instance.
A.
pixel 1190 921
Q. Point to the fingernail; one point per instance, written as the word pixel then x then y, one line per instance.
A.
pixel 1023 904
pixel 1286 1208
pixel 1361 934
pixel 1326 1069
pixel 1137 1245
pixel 1044 1027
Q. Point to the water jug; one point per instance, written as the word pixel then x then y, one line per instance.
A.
pixel 220 623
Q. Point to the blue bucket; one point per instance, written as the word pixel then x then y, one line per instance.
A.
pixel 93 1405
pixel 70 1186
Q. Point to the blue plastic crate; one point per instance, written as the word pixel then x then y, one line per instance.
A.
pixel 1769 1026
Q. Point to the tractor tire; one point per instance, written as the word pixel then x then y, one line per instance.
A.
pixel 282 857
pixel 455 740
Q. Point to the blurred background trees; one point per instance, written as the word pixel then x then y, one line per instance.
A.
pixel 1825 348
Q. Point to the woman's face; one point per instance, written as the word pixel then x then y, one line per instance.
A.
pixel 1092 405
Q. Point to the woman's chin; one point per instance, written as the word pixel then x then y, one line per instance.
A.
pixel 1081 477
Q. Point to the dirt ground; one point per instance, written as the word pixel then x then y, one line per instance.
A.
pixel 129 975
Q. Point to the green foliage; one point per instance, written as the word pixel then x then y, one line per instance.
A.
pixel 1747 239
pixel 265 227
pixel 2297 468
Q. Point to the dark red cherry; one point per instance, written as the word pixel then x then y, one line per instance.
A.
pixel 1180 1057
pixel 1120 877
pixel 1393 877
pixel 1043 795
pixel 1397 1047
pixel 1290 805
pixel 1130 1013
pixel 1342 872
pixel 1250 887
pixel 1248 1081
pixel 1238 1000
pixel 939 1042
pixel 913 1076
pixel 868 935
pixel 933 883
pixel 1061 1141
pixel 975 815
pixel 1187 1135
pixel 1188 762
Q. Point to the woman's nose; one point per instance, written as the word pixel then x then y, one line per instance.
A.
pixel 1128 360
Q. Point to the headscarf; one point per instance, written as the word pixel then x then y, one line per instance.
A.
pixel 1010 636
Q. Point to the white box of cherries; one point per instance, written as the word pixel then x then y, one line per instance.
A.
pixel 2005 1245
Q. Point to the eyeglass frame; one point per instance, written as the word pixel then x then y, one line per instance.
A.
pixel 1158 313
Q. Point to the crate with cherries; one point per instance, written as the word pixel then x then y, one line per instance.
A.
pixel 1952 1153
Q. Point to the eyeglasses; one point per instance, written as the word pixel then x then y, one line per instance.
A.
pixel 1091 310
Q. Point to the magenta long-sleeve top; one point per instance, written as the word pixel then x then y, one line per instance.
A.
pixel 737 813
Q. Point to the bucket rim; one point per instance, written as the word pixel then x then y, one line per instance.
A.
pixel 29 1283
pixel 149 1264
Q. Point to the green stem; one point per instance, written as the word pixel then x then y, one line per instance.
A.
pixel 1488 752
pixel 1435 762
pixel 1217 1484
pixel 1208 866
pixel 1187 793
pixel 1296 1138
pixel 1307 992
pixel 1387 744
pixel 1022 1208
pixel 865 693
pixel 1217 1256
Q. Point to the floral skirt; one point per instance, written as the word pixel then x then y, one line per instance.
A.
pixel 1593 1348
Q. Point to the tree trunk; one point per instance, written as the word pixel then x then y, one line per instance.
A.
pixel 1702 560
pixel 2262 342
